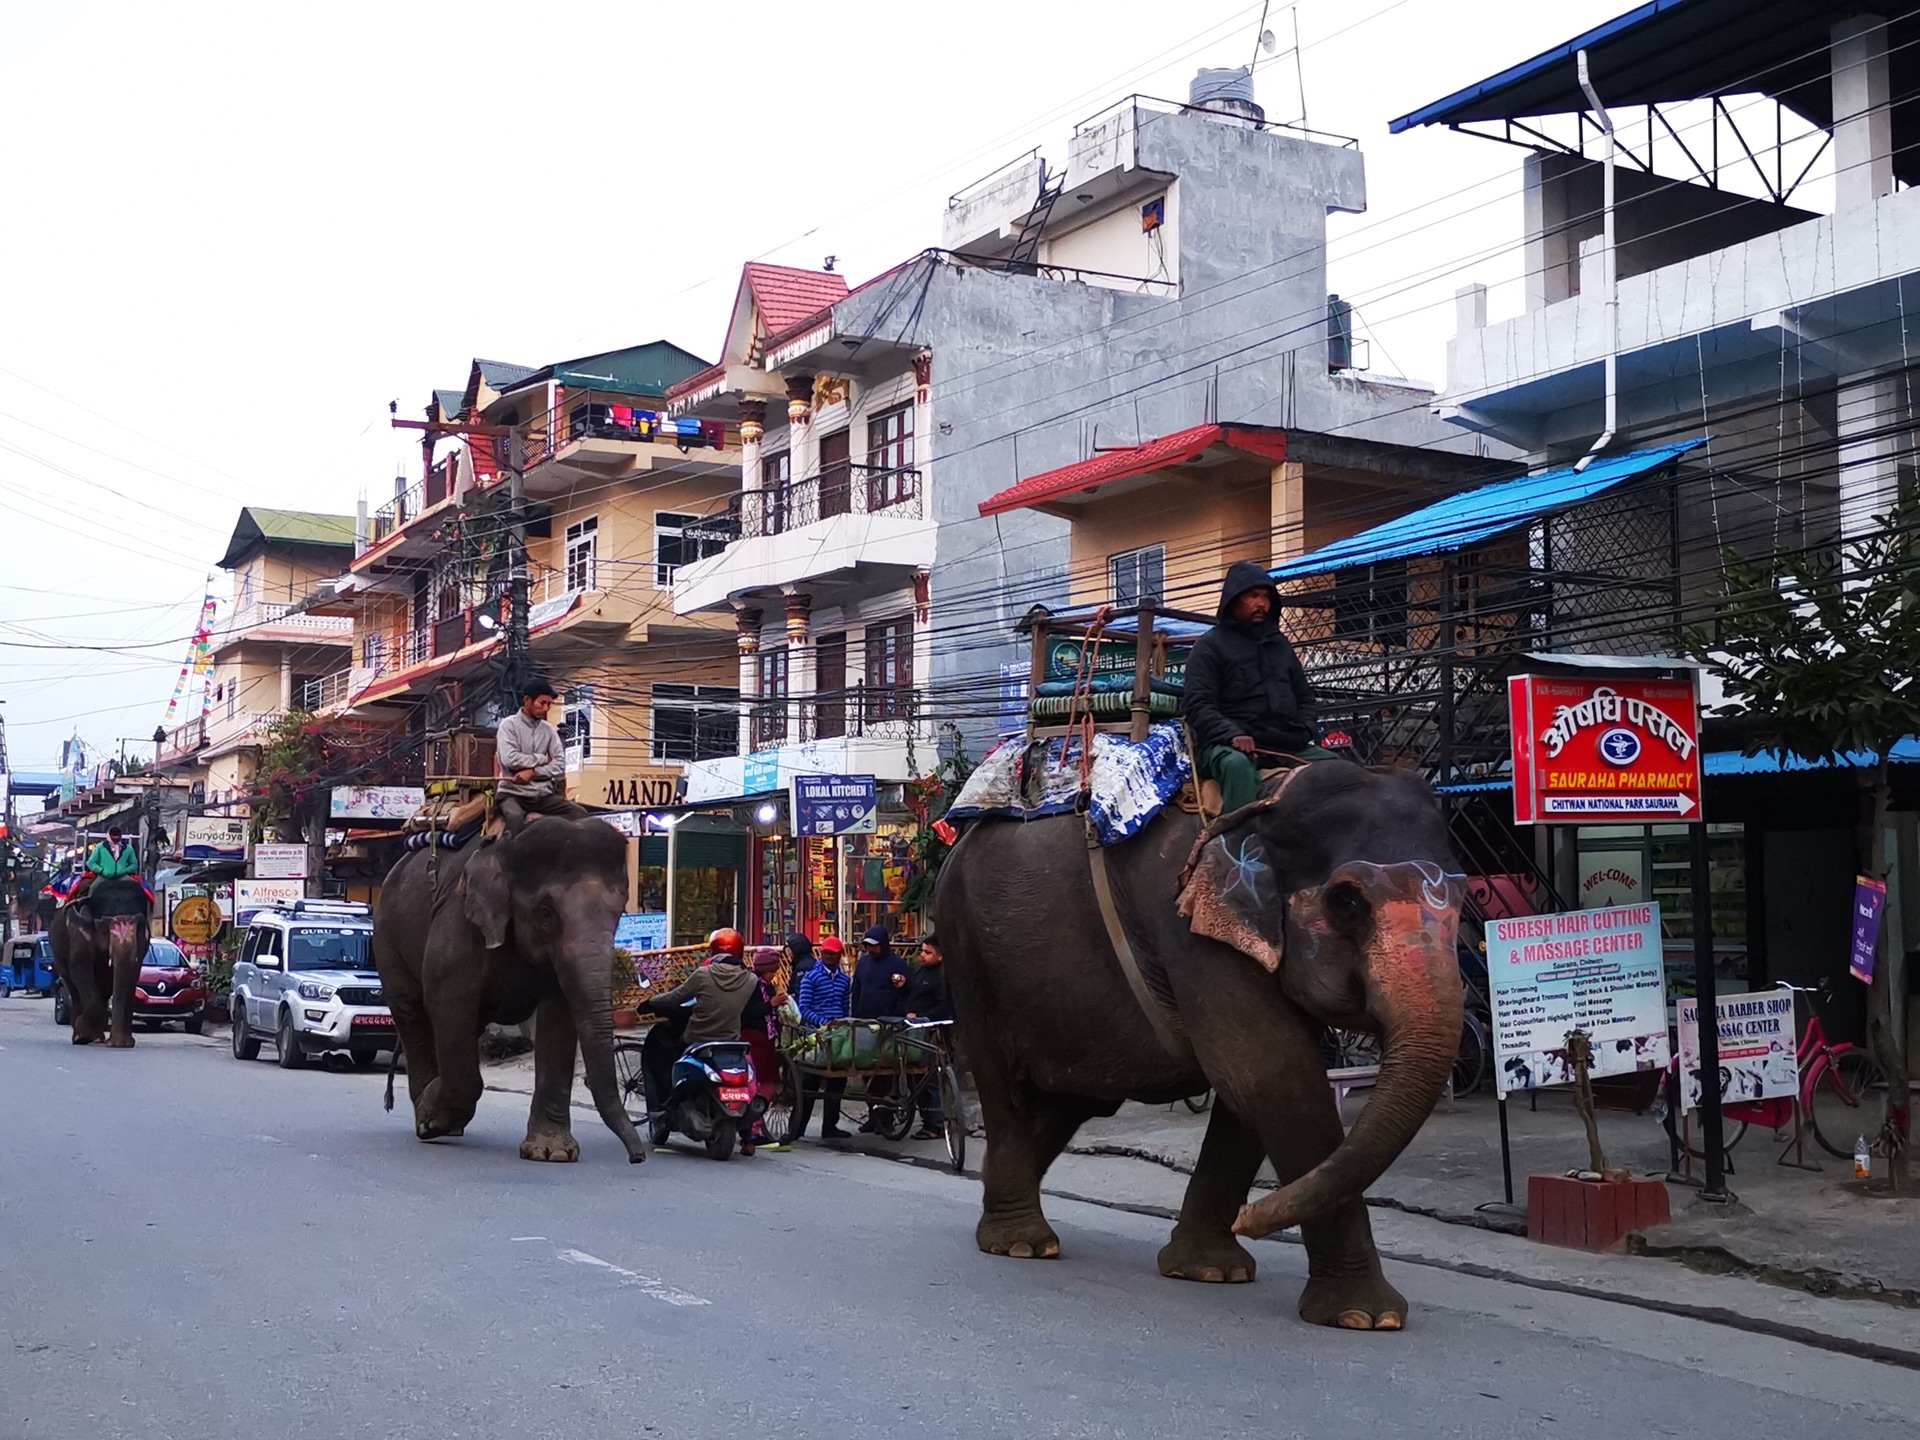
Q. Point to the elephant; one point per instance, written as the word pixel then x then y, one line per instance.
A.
pixel 495 932
pixel 1329 901
pixel 98 943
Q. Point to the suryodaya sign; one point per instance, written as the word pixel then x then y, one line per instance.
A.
pixel 1600 749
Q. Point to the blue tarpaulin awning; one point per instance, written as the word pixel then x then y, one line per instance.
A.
pixel 1473 515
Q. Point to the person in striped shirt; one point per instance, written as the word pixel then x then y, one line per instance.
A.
pixel 822 997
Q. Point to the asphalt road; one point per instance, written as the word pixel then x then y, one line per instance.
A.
pixel 191 1247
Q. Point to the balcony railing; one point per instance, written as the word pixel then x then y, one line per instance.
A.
pixel 183 741
pixel 837 490
pixel 612 419
pixel 879 712
pixel 327 691
pixel 280 615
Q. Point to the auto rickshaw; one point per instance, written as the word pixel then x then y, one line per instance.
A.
pixel 27 967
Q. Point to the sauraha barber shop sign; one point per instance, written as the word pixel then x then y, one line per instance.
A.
pixel 1592 750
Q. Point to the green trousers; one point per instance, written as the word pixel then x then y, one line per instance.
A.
pixel 1239 777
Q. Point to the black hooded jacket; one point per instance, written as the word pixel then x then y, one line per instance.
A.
pixel 1244 679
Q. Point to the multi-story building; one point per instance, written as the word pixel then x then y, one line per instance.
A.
pixel 1170 275
pixel 1735 318
pixel 613 489
pixel 267 650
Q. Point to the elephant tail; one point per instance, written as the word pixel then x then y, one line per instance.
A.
pixel 393 1064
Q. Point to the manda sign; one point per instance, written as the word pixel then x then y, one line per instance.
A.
pixel 1595 750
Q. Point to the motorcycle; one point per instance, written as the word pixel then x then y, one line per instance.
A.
pixel 711 1097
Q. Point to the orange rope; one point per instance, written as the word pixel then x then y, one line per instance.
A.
pixel 1083 692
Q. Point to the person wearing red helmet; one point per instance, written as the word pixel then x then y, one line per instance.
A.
pixel 726 998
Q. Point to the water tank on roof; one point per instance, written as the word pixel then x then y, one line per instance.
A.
pixel 1227 92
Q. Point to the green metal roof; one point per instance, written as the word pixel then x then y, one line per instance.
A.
pixel 637 370
pixel 259 527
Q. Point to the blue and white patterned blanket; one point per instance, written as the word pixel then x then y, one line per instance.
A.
pixel 1131 783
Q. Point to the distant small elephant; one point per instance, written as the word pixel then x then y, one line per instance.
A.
pixel 98 943
pixel 491 934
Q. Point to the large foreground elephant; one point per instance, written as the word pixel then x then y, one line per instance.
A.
pixel 493 933
pixel 1330 902
pixel 98 943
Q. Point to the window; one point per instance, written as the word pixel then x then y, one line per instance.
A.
pixel 576 726
pixel 1370 603
pixel 890 479
pixel 373 649
pixel 1137 575
pixel 680 540
pixel 695 722
pixel 830 685
pixel 889 648
pixel 582 541
pixel 770 716
pixel 233 698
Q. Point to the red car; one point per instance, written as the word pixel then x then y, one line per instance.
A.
pixel 169 989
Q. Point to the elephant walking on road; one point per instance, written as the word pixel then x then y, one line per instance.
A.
pixel 491 934
pixel 98 943
pixel 1328 902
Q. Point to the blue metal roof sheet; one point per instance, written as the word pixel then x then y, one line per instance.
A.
pixel 1473 515
pixel 1733 762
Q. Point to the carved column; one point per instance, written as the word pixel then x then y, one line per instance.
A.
pixel 800 668
pixel 753 426
pixel 923 428
pixel 803 452
pixel 747 624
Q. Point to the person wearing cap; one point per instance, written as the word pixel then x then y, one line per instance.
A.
pixel 726 1001
pixel 879 984
pixel 822 998
pixel 114 858
pixel 762 1032
pixel 531 762
pixel 1245 695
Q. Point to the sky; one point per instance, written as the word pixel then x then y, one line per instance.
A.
pixel 236 232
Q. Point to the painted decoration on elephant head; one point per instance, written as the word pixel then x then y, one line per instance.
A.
pixel 1233 896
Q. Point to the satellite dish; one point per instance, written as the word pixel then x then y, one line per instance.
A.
pixel 1267 42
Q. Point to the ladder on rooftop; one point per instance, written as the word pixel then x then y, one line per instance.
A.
pixel 1021 259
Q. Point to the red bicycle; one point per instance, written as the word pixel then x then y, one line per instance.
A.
pixel 1841 1092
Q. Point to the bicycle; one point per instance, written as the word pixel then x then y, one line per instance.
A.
pixel 1837 1083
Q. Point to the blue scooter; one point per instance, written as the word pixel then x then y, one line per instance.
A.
pixel 711 1097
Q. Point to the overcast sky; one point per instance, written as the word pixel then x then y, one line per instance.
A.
pixel 235 232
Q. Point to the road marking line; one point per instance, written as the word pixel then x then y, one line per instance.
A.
pixel 525 1239
pixel 651 1285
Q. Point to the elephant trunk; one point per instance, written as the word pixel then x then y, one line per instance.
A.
pixel 1413 992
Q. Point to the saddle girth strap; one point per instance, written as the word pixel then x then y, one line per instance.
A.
pixel 1177 1047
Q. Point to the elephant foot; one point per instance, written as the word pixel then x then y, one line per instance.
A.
pixel 1026 1237
pixel 83 1037
pixel 554 1145
pixel 120 1042
pixel 1354 1302
pixel 1216 1259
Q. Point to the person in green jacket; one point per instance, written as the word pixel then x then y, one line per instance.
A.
pixel 114 858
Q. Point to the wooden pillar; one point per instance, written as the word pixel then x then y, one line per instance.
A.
pixel 1287 512
pixel 1142 672
pixel 633 872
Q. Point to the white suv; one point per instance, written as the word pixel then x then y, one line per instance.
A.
pixel 305 977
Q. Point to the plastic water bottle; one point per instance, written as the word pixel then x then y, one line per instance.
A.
pixel 1862 1160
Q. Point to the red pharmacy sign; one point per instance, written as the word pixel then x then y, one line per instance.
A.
pixel 1597 750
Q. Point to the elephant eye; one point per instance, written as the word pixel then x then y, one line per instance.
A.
pixel 1346 905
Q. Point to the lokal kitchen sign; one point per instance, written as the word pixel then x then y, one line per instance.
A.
pixel 1592 750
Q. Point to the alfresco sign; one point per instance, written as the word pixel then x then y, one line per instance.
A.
pixel 1595 750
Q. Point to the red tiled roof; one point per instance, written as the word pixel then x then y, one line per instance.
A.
pixel 785 296
pixel 1155 454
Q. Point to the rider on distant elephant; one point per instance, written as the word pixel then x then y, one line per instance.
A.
pixel 1246 693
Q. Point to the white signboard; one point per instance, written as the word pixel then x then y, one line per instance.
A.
pixel 280 862
pixel 1594 970
pixel 213 837
pixel 375 802
pixel 250 897
pixel 1758 1051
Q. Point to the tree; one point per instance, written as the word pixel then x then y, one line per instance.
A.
pixel 1818 652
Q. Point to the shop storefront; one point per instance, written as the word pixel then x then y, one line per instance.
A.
pixel 829 885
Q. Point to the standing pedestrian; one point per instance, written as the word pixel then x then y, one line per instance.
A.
pixel 925 997
pixel 822 998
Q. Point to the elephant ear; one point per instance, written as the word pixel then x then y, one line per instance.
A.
pixel 1233 895
pixel 488 893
